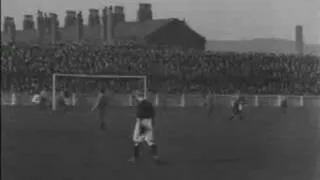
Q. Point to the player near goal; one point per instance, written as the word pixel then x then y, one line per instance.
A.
pixel 65 99
pixel 100 105
pixel 209 103
pixel 284 104
pixel 144 128
pixel 44 97
pixel 237 108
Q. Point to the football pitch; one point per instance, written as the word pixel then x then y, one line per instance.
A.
pixel 46 145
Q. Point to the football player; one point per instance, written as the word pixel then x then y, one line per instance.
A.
pixel 284 105
pixel 208 102
pixel 44 98
pixel 237 108
pixel 144 128
pixel 65 99
pixel 101 105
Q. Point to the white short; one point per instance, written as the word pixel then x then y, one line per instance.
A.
pixel 68 101
pixel 147 136
pixel 36 99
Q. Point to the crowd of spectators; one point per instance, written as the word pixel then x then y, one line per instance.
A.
pixel 168 69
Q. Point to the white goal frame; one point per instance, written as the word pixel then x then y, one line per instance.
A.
pixel 55 75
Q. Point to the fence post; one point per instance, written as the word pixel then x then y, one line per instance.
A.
pixel 182 101
pixel 256 101
pixel 233 97
pixel 13 99
pixel 157 100
pixel 130 100
pixel 73 99
pixel 279 100
pixel 301 101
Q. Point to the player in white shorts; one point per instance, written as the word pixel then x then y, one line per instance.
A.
pixel 144 128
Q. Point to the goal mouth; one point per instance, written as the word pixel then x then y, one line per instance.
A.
pixel 85 85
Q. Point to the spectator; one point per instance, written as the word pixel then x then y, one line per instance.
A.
pixel 180 70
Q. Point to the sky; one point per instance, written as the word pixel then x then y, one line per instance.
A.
pixel 214 19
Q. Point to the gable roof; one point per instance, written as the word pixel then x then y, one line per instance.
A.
pixel 140 29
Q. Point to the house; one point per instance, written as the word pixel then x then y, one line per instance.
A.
pixel 146 30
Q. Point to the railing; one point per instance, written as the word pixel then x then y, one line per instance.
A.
pixel 175 100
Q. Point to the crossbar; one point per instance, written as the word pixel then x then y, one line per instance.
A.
pixel 55 75
pixel 98 76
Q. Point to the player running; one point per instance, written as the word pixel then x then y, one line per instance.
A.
pixel 65 100
pixel 44 98
pixel 208 102
pixel 237 108
pixel 144 128
pixel 284 105
pixel 101 105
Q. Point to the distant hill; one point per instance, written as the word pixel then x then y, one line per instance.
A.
pixel 260 45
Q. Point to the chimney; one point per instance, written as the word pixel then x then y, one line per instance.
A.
pixel 28 22
pixel 54 27
pixel 110 25
pixel 6 24
pixel 79 26
pixel 104 27
pixel 118 15
pixel 144 12
pixel 299 40
pixel 93 18
pixel 70 19
pixel 11 28
pixel 40 26
pixel 47 23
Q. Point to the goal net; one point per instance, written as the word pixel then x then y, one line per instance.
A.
pixel 84 88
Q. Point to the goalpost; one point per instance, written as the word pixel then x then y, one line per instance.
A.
pixel 97 77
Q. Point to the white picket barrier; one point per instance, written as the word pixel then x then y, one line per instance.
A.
pixel 175 100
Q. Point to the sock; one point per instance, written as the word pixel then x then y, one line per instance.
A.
pixel 136 150
pixel 154 151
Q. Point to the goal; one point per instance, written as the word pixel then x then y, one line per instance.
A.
pixel 93 81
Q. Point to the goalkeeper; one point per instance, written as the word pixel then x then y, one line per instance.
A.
pixel 101 105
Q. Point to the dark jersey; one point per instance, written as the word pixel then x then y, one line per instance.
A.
pixel 284 103
pixel 66 94
pixel 145 110
pixel 237 106
pixel 103 103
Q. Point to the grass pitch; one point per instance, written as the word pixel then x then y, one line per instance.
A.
pixel 46 145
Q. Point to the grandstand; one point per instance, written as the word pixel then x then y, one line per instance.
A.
pixel 44 144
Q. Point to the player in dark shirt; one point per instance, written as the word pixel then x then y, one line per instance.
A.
pixel 101 105
pixel 237 108
pixel 144 128
pixel 208 102
pixel 284 105
pixel 65 99
pixel 44 98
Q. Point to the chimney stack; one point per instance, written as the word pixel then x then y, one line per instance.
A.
pixel 144 12
pixel 299 40
pixel 118 15
pixel 79 26
pixel 110 25
pixel 104 27
pixel 28 22
pixel 54 27
pixel 70 19
pixel 40 26
pixel 10 28
pixel 6 25
pixel 93 18
pixel 47 23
